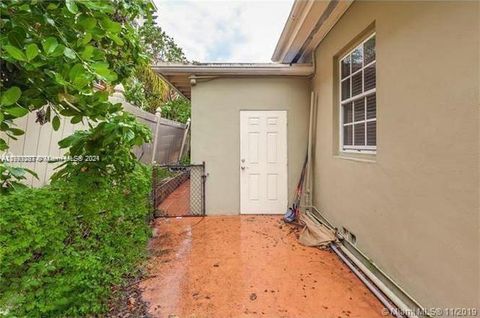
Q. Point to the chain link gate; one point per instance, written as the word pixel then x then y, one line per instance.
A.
pixel 179 190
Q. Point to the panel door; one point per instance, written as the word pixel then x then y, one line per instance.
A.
pixel 263 162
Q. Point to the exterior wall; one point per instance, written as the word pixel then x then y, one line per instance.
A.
pixel 216 106
pixel 414 206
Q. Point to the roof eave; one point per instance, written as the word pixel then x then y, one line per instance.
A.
pixel 308 23
pixel 291 29
pixel 235 69
pixel 180 76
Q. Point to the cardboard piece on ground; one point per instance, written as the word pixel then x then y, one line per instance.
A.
pixel 314 233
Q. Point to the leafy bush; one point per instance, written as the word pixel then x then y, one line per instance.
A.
pixel 178 109
pixel 147 90
pixel 63 246
pixel 11 177
pixel 135 92
pixel 163 173
pixel 53 53
pixel 104 150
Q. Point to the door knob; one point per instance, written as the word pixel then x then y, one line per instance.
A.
pixel 242 167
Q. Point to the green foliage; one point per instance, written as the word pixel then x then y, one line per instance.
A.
pixel 11 177
pixel 178 109
pixel 162 173
pixel 104 150
pixel 53 52
pixel 145 88
pixel 159 46
pixel 11 96
pixel 135 92
pixel 63 246
pixel 185 160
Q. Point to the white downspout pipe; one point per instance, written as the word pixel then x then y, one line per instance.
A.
pixel 308 197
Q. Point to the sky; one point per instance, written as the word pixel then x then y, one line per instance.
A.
pixel 224 31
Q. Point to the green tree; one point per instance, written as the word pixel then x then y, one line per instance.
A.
pixel 159 46
pixel 146 89
pixel 53 53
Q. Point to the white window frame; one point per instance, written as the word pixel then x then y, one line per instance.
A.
pixel 353 148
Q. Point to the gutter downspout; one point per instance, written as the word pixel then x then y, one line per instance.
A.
pixel 308 197
pixel 312 134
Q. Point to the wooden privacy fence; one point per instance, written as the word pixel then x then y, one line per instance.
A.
pixel 39 144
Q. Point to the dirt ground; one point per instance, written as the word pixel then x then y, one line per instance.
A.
pixel 247 266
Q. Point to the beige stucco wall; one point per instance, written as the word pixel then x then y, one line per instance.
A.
pixel 415 208
pixel 216 106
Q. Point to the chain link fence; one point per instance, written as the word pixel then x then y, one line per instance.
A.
pixel 179 190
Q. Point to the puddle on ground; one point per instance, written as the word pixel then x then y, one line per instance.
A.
pixel 248 266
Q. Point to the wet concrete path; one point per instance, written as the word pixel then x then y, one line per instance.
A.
pixel 247 266
pixel 178 202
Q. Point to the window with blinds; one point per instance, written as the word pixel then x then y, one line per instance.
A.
pixel 358 102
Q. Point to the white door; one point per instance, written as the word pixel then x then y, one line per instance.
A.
pixel 263 162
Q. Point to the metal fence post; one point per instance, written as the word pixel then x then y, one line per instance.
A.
pixel 204 177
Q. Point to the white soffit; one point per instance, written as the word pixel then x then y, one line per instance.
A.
pixel 308 23
pixel 180 76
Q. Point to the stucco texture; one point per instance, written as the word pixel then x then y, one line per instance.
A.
pixel 414 207
pixel 216 106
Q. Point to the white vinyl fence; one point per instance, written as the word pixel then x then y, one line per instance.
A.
pixel 168 136
pixel 40 142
